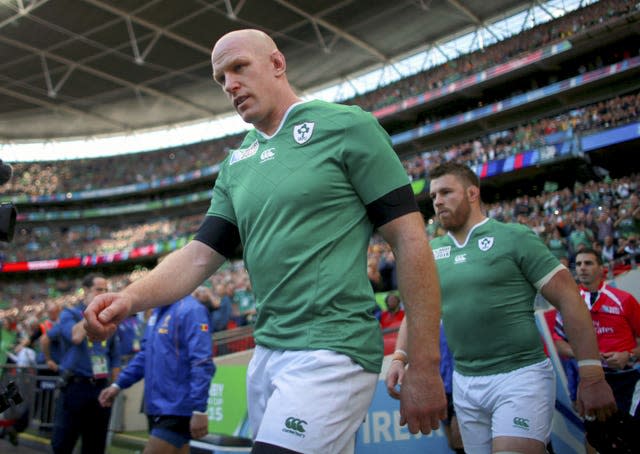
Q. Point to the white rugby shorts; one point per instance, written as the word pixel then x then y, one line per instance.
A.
pixel 310 401
pixel 519 403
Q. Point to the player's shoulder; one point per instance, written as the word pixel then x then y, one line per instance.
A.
pixel 333 112
pixel 509 228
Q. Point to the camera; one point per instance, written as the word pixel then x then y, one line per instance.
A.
pixel 9 396
pixel 7 210
pixel 8 214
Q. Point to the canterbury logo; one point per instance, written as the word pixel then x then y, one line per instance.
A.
pixel 523 423
pixel 295 424
pixel 267 154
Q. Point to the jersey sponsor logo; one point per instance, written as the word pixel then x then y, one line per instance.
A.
pixel 460 258
pixel 442 252
pixel 302 132
pixel 295 426
pixel 204 327
pixel 485 243
pixel 267 155
pixel 244 153
pixel 521 423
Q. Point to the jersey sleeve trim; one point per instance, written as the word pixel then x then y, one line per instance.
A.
pixel 546 278
pixel 392 205
pixel 219 234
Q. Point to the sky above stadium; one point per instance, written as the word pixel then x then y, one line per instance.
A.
pixel 184 134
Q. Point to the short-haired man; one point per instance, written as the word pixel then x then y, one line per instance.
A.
pixel 503 384
pixel 87 367
pixel 616 320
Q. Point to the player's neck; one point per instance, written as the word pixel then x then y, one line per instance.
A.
pixel 461 233
pixel 271 123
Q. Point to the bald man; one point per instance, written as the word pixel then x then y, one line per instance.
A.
pixel 302 195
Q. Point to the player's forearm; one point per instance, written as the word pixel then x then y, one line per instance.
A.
pixel 177 275
pixel 580 332
pixel 419 287
pixel 418 283
pixel 562 292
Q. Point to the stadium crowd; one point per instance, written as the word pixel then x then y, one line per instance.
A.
pixel 47 178
pixel 604 114
pixel 44 242
pixel 41 242
pixel 500 52
pixel 603 215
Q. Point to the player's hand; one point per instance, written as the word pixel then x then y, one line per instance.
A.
pixel 395 374
pixel 108 395
pixel 616 360
pixel 104 313
pixel 595 398
pixel 422 400
pixel 199 425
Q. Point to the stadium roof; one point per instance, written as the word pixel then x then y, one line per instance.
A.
pixel 84 67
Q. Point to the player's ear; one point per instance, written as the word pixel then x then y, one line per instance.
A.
pixel 279 63
pixel 473 193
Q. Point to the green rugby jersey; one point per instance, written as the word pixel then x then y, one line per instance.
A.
pixel 298 199
pixel 488 289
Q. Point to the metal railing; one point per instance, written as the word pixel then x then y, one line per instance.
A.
pixel 38 390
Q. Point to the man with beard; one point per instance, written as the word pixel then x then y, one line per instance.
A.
pixel 503 384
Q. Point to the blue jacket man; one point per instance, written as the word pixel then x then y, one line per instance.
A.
pixel 87 368
pixel 176 363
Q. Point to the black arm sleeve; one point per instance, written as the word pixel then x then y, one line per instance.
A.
pixel 219 234
pixel 392 205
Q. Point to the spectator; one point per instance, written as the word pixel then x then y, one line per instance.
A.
pixel 609 249
pixel 628 223
pixel 393 315
pixel 245 302
pixel 222 307
pixel 388 273
pixel 52 349
pixel 557 245
pixel 580 238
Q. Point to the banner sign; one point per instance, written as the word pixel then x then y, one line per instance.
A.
pixel 227 406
